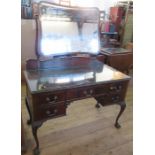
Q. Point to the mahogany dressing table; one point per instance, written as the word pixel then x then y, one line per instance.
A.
pixel 49 92
pixel 52 84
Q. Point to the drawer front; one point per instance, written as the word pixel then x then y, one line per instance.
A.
pixel 49 98
pixel 85 92
pixel 92 91
pixel 113 93
pixel 115 98
pixel 108 99
pixel 117 87
pixel 49 112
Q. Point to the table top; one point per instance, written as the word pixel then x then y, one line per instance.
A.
pixel 49 80
pixel 114 50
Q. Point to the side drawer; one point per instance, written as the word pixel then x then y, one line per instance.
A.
pixel 49 112
pixel 115 98
pixel 117 87
pixel 108 99
pixel 49 98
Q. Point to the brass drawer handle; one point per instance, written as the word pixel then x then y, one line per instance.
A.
pixel 91 91
pixel 88 93
pixel 53 100
pixel 117 88
pixel 113 88
pixel 85 92
pixel 115 98
pixel 48 112
pixel 47 99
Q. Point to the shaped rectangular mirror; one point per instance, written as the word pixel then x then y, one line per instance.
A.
pixel 67 30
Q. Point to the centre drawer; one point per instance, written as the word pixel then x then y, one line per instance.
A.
pixel 49 98
pixel 85 92
pixel 91 91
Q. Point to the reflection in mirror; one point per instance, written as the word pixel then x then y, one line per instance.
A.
pixel 65 30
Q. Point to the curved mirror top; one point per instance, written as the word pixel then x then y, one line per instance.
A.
pixel 67 30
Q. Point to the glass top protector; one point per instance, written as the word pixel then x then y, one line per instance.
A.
pixel 45 80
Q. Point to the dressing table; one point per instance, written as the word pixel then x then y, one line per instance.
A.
pixel 70 72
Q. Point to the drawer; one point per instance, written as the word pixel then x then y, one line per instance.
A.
pixel 117 87
pixel 49 98
pixel 115 98
pixel 102 99
pixel 85 92
pixel 92 91
pixel 49 112
pixel 108 99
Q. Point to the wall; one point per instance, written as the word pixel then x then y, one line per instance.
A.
pixel 27 41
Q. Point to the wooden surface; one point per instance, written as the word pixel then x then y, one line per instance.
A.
pixel 84 131
pixel 121 61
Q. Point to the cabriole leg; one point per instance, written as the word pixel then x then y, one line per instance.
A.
pixel 36 150
pixel 28 109
pixel 123 106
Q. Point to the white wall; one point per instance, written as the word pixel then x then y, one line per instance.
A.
pixel 28 32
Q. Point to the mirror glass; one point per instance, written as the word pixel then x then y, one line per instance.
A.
pixel 67 30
